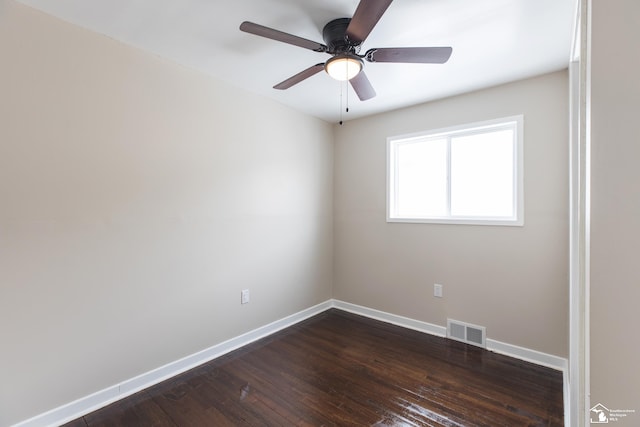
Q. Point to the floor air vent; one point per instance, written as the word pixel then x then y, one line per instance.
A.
pixel 466 332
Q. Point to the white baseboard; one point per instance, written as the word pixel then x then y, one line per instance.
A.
pixel 528 355
pixel 405 322
pixel 102 398
pixel 510 350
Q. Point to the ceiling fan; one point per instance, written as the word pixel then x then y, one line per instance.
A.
pixel 343 38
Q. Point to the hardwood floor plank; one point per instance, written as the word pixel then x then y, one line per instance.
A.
pixel 76 423
pixel 339 369
pixel 136 410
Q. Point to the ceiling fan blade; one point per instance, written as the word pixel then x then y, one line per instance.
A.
pixel 417 55
pixel 270 33
pixel 367 15
pixel 361 84
pixel 302 75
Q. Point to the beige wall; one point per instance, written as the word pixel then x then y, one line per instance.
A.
pixel 137 198
pixel 615 207
pixel 513 280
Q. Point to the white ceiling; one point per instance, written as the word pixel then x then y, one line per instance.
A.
pixel 494 41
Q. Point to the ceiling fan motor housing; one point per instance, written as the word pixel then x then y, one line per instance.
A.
pixel 334 35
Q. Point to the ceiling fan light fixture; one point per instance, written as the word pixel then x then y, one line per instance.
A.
pixel 343 67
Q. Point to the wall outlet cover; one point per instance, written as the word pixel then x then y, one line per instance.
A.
pixel 244 296
pixel 437 290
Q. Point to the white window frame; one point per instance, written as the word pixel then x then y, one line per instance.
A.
pixel 512 122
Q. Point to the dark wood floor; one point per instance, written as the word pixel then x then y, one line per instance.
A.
pixel 339 369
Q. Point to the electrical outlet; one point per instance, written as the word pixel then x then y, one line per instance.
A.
pixel 244 296
pixel 437 290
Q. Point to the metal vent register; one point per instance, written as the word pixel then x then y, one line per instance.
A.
pixel 466 332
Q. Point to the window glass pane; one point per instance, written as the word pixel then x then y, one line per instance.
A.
pixel 467 174
pixel 482 174
pixel 421 178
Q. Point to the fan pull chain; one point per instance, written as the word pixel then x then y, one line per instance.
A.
pixel 346 84
pixel 344 88
pixel 341 91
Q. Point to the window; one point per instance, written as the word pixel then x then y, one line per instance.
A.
pixel 469 174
